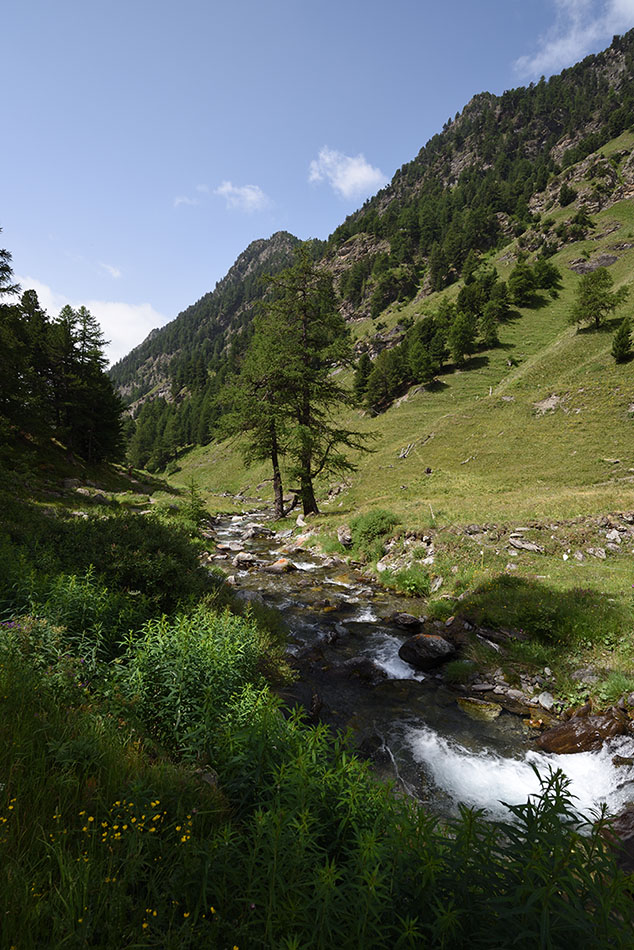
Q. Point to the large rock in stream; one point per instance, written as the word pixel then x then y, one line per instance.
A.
pixel 426 651
pixel 584 733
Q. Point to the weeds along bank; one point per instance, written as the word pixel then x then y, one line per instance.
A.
pixel 153 793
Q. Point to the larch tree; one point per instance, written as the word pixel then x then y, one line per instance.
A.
pixel 595 299
pixel 288 398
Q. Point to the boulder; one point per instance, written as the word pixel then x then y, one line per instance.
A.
pixel 344 537
pixel 281 566
pixel 426 651
pixel 244 558
pixel 583 734
pixel 479 709
pixel 406 621
pixel 256 531
pixel 362 668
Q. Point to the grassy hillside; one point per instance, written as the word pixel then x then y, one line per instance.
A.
pixel 494 453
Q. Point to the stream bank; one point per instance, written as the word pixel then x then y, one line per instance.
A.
pixel 442 745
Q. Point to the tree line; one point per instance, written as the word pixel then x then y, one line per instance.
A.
pixel 53 382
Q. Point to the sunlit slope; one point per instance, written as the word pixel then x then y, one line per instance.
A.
pixel 495 448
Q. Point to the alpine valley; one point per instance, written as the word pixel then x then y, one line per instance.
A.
pixel 318 606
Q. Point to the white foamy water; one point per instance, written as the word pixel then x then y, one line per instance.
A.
pixel 366 615
pixel 384 652
pixel 485 779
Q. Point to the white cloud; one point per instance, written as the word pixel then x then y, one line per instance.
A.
pixel 243 197
pixel 350 177
pixel 114 272
pixel 580 26
pixel 184 200
pixel 125 325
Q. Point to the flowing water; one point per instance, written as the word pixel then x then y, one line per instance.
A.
pixel 408 722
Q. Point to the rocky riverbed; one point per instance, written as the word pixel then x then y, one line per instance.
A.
pixel 369 662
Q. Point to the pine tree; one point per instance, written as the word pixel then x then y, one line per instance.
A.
pixel 622 342
pixel 595 299
pixel 461 338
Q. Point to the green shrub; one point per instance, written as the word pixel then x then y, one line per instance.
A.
pixel 414 581
pixel 369 531
pixel 181 673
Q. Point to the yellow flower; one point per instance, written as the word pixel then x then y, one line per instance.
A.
pixel 186 913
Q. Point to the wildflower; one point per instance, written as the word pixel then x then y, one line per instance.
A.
pixel 212 910
pixel 185 913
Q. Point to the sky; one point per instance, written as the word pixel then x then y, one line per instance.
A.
pixel 146 143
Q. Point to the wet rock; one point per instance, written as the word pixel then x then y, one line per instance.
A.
pixel 281 566
pixel 362 668
pixel 231 580
pixel 244 558
pixel 585 734
pixel 426 651
pixel 253 531
pixel 344 537
pixel 406 621
pixel 479 709
pixel 622 760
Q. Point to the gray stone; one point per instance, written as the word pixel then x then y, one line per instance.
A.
pixel 546 700
pixel 425 651
pixel 344 537
pixel 244 557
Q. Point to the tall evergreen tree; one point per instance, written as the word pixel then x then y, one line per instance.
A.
pixel 622 342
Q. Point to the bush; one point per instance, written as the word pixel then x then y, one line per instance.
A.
pixel 368 532
pixel 414 581
pixel 181 673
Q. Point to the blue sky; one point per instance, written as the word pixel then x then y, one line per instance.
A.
pixel 146 143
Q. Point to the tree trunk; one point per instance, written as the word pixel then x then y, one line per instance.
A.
pixel 278 492
pixel 308 496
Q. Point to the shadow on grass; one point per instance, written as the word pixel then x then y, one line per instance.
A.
pixel 531 609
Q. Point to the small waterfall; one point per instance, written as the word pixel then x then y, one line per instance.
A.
pixel 484 779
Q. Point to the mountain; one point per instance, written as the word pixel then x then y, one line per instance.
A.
pixel 193 342
pixel 522 171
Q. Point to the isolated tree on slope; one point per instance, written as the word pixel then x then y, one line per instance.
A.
pixel 595 299
pixel 622 342
pixel 256 398
pixel 288 382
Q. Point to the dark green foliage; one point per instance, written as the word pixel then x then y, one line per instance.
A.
pixel 461 338
pixel 52 379
pixel 622 342
pixel 286 396
pixel 566 195
pixel 594 298
pixel 521 284
pixel 361 376
pixel 488 326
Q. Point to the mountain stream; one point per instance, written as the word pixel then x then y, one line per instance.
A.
pixel 406 721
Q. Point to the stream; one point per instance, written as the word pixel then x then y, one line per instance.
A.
pixel 406 721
